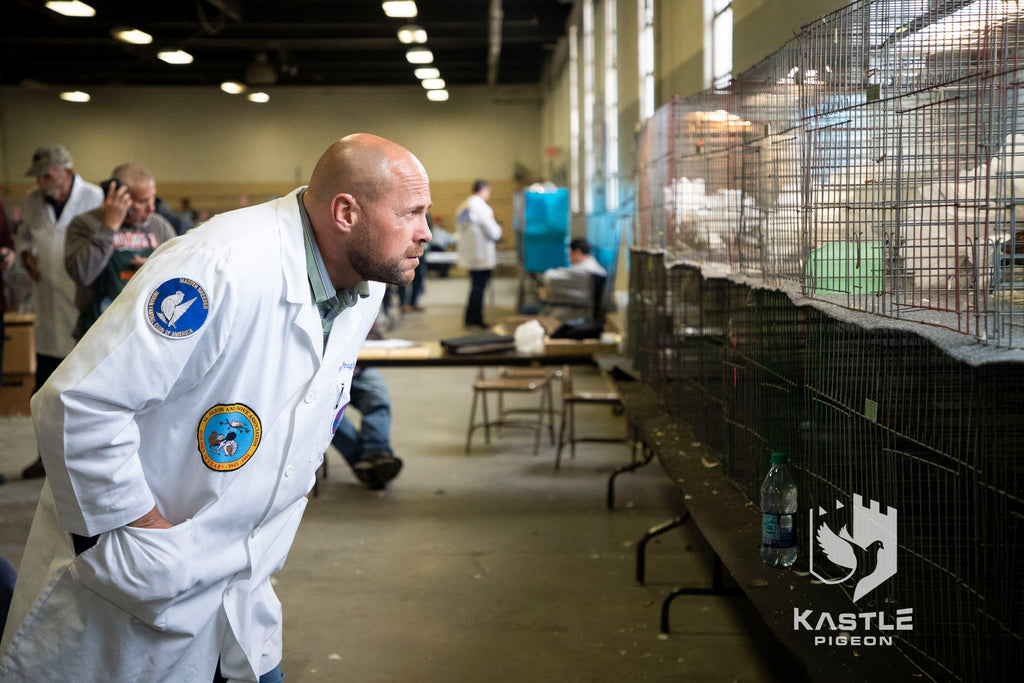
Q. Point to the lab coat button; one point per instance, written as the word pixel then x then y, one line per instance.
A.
pixel 310 397
pixel 288 471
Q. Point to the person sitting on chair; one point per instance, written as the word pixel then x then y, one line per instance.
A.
pixel 572 285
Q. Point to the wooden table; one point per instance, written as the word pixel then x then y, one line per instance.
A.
pixel 431 355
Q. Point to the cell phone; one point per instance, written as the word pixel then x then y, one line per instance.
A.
pixel 105 186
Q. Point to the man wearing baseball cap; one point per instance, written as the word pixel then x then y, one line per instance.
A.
pixel 60 195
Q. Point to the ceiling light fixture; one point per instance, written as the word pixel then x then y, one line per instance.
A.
pixel 437 95
pixel 232 87
pixel 433 83
pixel 411 33
pixel 131 35
pixel 260 97
pixel 419 55
pixel 72 8
pixel 75 96
pixel 175 56
pixel 426 72
pixel 399 8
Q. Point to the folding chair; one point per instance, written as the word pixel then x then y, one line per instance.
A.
pixel 501 383
pixel 571 398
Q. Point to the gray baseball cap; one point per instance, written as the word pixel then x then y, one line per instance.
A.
pixel 47 157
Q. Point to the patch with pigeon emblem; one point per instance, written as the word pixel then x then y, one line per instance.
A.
pixel 178 308
pixel 228 436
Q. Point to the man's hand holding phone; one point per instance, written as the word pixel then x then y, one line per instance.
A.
pixel 117 205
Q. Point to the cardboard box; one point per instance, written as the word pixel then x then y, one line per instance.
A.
pixel 16 392
pixel 19 348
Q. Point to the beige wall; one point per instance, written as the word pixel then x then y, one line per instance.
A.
pixel 760 27
pixel 222 150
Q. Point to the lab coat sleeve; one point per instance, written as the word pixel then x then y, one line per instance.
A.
pixel 86 414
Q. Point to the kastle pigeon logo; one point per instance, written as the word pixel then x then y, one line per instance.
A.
pixel 869 552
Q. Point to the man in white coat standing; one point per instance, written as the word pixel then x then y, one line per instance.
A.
pixel 183 432
pixel 60 195
pixel 478 233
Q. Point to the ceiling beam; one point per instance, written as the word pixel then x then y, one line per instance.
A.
pixel 494 41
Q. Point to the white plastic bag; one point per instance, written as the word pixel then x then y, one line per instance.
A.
pixel 529 337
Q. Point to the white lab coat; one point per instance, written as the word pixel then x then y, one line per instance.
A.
pixel 43 234
pixel 478 234
pixel 119 427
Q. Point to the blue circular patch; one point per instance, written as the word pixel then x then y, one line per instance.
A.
pixel 178 308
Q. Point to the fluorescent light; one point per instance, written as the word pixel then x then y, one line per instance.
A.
pixel 411 33
pixel 426 72
pixel 232 87
pixel 399 8
pixel 437 95
pixel 75 96
pixel 175 56
pixel 433 83
pixel 260 97
pixel 132 35
pixel 419 55
pixel 73 8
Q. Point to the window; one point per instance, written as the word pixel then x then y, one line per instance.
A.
pixel 611 106
pixel 589 162
pixel 717 43
pixel 574 121
pixel 645 61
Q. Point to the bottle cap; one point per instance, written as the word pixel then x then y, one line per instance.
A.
pixel 779 458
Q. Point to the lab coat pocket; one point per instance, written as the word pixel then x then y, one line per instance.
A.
pixel 142 571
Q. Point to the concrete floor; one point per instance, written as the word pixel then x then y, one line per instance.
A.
pixel 490 566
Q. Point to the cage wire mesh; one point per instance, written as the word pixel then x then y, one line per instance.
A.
pixel 655 168
pixel 769 98
pixel 648 333
pixel 694 386
pixel 874 163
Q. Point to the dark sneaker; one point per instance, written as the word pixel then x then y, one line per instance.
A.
pixel 377 469
pixel 34 471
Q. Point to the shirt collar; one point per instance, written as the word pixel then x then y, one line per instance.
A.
pixel 319 280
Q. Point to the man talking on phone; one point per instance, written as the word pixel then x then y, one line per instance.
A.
pixel 105 247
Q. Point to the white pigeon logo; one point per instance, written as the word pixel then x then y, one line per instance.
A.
pixel 869 552
pixel 172 308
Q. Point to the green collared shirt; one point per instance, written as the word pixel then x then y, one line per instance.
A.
pixel 329 301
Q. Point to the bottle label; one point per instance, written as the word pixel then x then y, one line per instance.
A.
pixel 778 530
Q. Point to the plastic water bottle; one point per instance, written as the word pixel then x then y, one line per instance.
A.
pixel 778 514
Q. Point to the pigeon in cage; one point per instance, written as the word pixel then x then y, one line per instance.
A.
pixel 949 225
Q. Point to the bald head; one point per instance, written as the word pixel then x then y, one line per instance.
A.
pixel 362 165
pixel 132 174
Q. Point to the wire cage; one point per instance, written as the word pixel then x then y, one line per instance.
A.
pixel 649 332
pixel 694 390
pixel 885 419
pixel 877 416
pixel 870 196
pixel 875 162
pixel 655 178
pixel 769 97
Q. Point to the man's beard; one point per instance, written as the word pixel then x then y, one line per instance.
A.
pixel 392 273
pixel 53 192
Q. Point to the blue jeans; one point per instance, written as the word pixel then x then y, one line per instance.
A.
pixel 369 395
pixel 478 280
